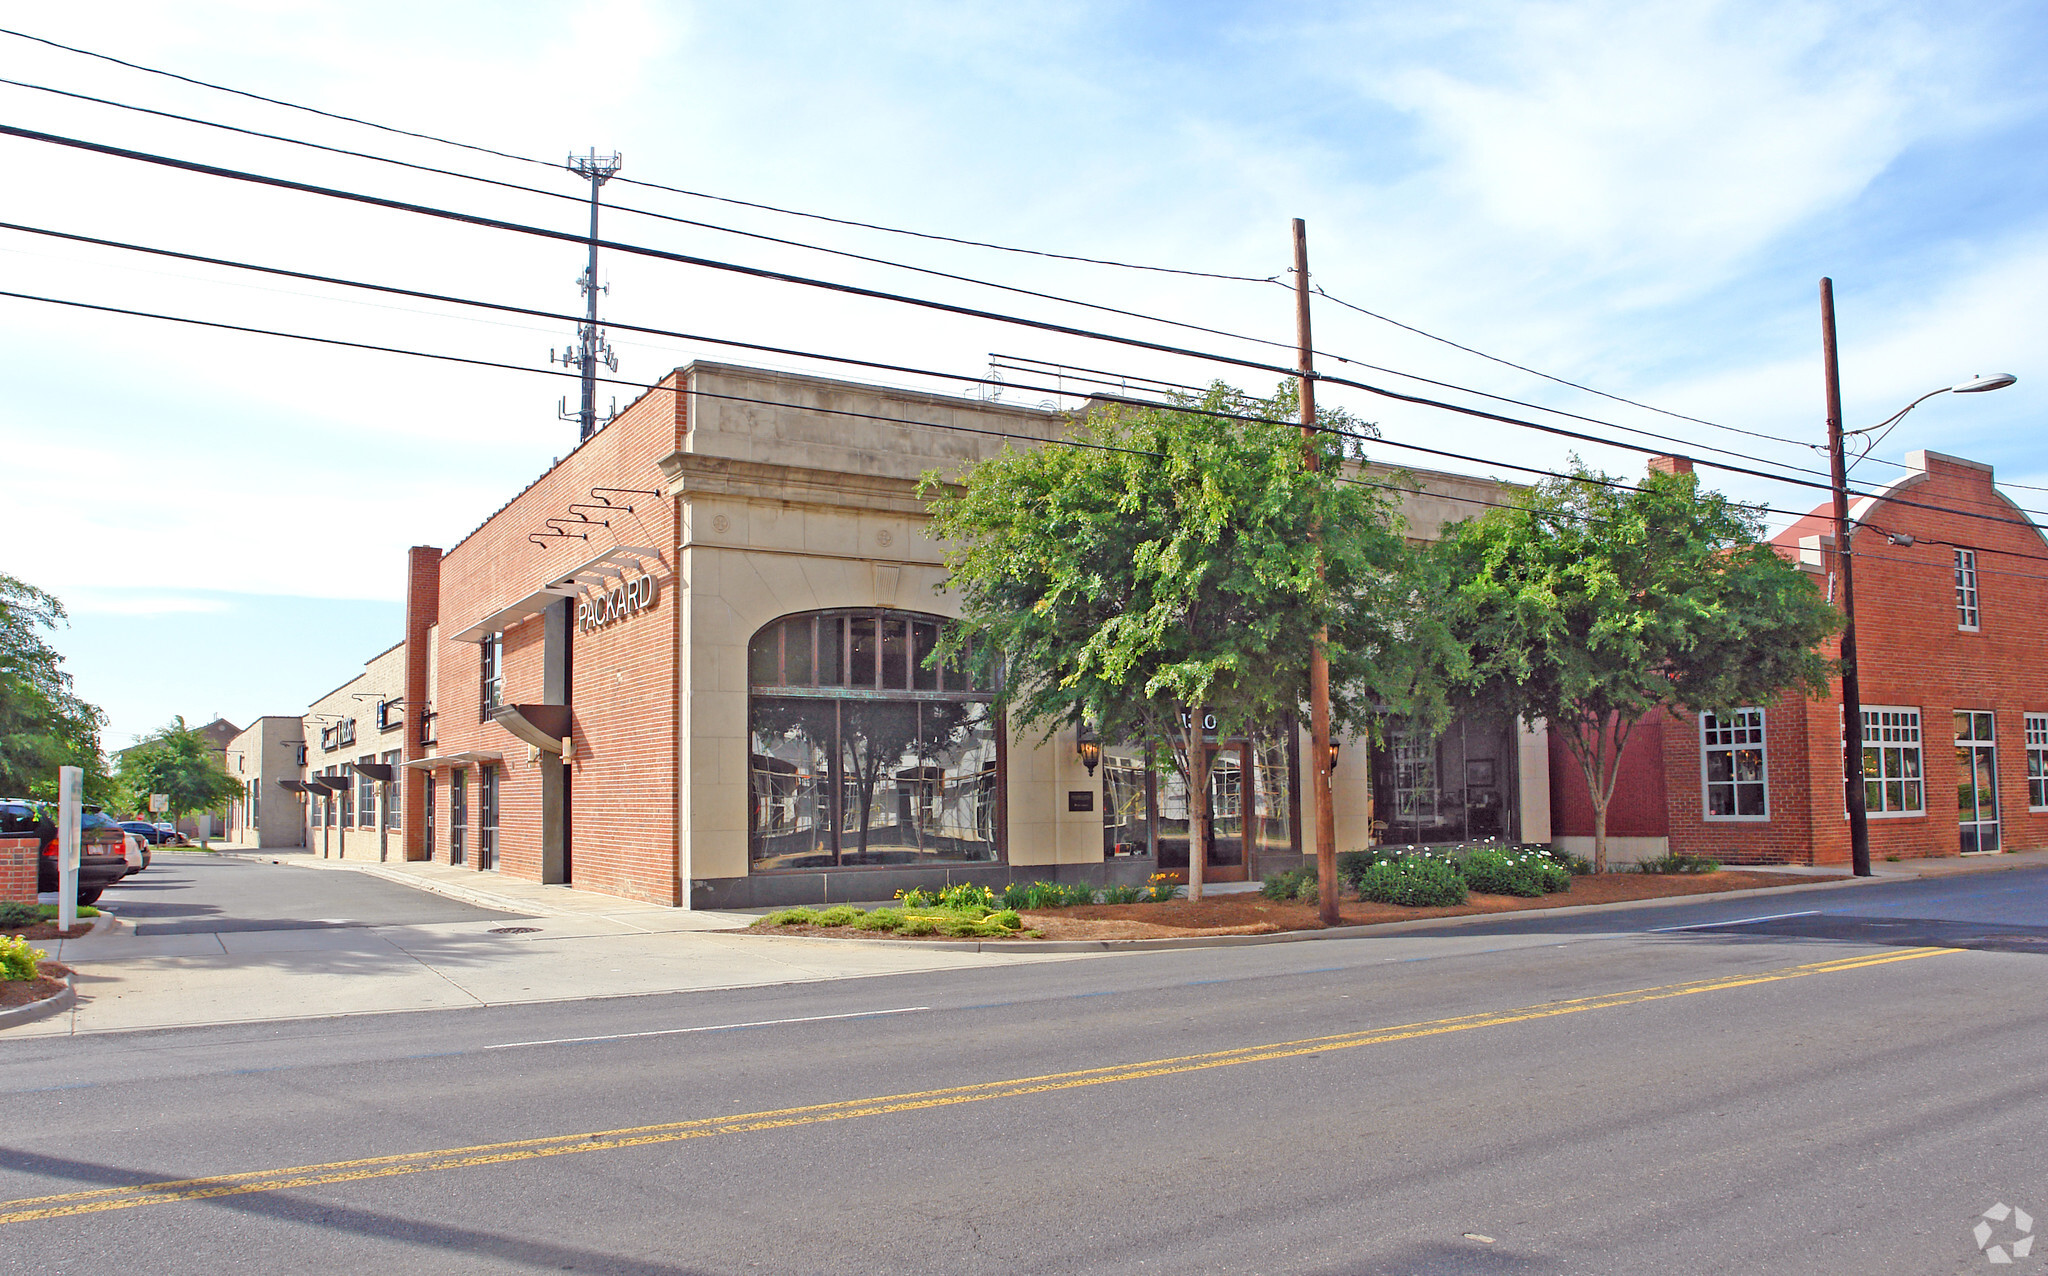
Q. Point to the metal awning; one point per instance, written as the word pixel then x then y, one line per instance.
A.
pixel 471 758
pixel 598 571
pixel 375 770
pixel 544 726
pixel 295 786
pixel 334 783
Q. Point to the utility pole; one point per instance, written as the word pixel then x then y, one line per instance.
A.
pixel 1852 692
pixel 1318 661
pixel 590 348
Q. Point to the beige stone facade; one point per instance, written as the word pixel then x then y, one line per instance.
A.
pixel 270 750
pixel 359 724
pixel 623 597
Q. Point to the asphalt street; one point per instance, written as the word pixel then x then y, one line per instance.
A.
pixel 190 894
pixel 1822 1084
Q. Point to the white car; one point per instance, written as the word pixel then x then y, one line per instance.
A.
pixel 137 853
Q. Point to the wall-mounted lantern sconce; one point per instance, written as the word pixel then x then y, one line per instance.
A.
pixel 1333 756
pixel 1089 748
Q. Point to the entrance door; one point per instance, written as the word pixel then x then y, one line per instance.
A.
pixel 1976 781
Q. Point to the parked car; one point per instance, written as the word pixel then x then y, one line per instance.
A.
pixel 137 853
pixel 102 845
pixel 153 834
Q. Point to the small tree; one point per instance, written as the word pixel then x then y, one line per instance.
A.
pixel 1592 603
pixel 43 723
pixel 1160 570
pixel 179 762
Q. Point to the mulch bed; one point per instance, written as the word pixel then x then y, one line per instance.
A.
pixel 1244 914
pixel 48 983
pixel 48 930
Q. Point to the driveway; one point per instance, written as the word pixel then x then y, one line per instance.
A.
pixel 193 893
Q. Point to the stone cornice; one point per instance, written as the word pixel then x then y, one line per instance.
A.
pixel 691 474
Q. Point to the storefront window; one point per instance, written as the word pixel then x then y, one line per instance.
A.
pixel 1145 807
pixel 861 754
pixel 1454 787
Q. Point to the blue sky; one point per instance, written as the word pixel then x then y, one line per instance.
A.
pixel 1637 197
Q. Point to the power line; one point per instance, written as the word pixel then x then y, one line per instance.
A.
pixel 532 312
pixel 855 290
pixel 1691 445
pixel 677 190
pixel 1509 363
pixel 484 150
pixel 650 213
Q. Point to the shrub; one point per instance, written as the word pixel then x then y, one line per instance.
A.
pixel 1293 884
pixel 1679 862
pixel 1497 873
pixel 839 915
pixel 1416 881
pixel 883 919
pixel 1576 865
pixel 1122 894
pixel 919 926
pixel 790 917
pixel 1006 918
pixel 18 959
pixel 16 913
pixel 1160 887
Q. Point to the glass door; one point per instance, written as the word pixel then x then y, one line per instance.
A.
pixel 1976 781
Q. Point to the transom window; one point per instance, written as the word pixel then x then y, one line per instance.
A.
pixel 1732 765
pixel 862 751
pixel 2037 761
pixel 1966 589
pixel 1892 782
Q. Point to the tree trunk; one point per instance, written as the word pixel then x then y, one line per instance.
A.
pixel 1599 835
pixel 1198 805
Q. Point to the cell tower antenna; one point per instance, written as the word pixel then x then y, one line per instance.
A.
pixel 591 348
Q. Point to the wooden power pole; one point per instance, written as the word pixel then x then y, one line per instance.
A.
pixel 1318 662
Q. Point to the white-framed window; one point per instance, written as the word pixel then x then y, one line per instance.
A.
pixel 1966 589
pixel 1732 765
pixel 2037 761
pixel 1892 783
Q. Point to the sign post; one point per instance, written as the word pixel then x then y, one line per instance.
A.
pixel 70 793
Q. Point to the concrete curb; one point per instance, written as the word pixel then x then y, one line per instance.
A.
pixel 1334 932
pixel 56 1003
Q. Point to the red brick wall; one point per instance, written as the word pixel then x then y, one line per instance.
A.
pixel 18 869
pixel 1912 654
pixel 422 612
pixel 623 678
pixel 1637 809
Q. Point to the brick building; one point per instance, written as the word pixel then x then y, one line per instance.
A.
pixel 685 665
pixel 352 773
pixel 1951 588
pixel 268 813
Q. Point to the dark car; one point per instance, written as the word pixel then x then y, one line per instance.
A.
pixel 154 834
pixel 102 845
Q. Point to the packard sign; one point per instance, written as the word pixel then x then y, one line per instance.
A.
pixel 595 611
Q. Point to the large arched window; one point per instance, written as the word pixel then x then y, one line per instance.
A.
pixel 863 752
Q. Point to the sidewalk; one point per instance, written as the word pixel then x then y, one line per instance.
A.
pixel 562 945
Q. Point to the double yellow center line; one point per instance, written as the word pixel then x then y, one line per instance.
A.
pixel 29 1209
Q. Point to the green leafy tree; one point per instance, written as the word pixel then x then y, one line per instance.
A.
pixel 43 723
pixel 1593 603
pixel 1164 568
pixel 180 762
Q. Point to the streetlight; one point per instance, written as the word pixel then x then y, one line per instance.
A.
pixel 1852 695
